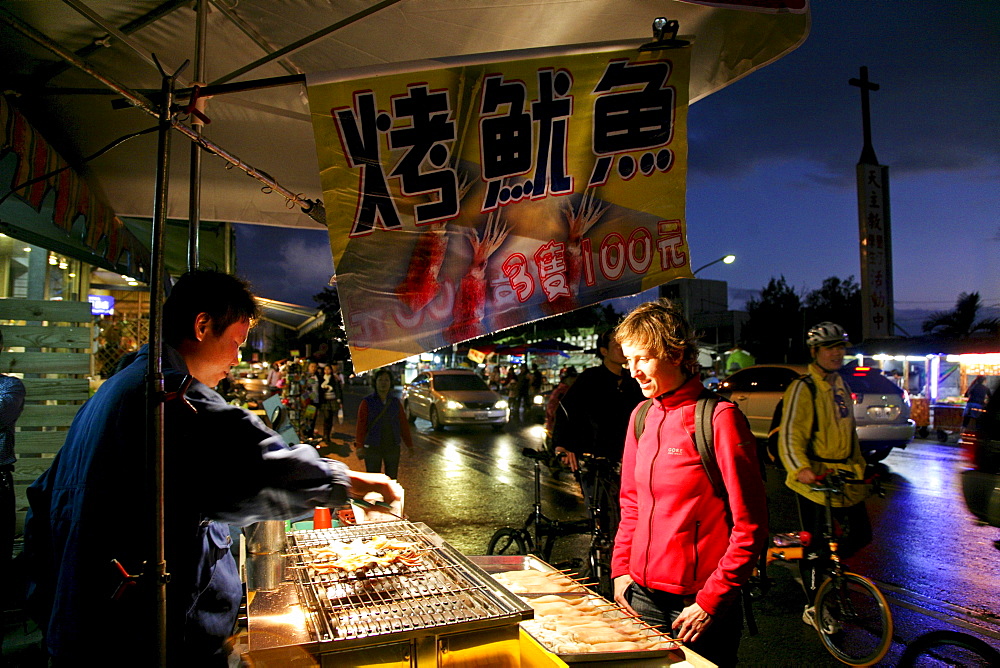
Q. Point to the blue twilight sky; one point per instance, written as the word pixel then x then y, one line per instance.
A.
pixel 772 157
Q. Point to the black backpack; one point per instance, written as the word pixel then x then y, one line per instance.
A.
pixel 704 440
pixel 775 428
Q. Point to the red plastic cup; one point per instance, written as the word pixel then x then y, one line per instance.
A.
pixel 321 518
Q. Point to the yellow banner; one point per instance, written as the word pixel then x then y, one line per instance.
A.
pixel 472 198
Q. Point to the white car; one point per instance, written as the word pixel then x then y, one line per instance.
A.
pixel 454 397
pixel 881 409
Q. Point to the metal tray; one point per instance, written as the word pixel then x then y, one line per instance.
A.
pixel 501 563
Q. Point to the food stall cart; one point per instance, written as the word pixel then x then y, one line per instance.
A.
pixel 394 593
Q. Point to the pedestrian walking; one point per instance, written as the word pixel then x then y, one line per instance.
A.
pixel 382 425
pixel 976 397
pixel 331 401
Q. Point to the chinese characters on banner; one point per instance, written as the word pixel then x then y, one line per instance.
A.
pixel 876 251
pixel 481 195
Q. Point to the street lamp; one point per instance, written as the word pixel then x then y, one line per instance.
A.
pixel 728 259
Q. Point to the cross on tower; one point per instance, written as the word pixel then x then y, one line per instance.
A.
pixel 868 151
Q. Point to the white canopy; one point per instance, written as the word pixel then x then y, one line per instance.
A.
pixel 270 128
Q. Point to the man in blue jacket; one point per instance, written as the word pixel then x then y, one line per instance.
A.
pixel 93 508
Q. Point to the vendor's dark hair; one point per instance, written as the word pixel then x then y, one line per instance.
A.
pixel 225 298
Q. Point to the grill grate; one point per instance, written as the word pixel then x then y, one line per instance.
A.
pixel 438 589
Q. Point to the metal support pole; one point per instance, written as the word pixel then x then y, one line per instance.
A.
pixel 157 568
pixel 194 197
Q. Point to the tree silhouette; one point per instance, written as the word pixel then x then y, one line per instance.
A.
pixel 774 329
pixel 836 301
pixel 332 332
pixel 961 322
pixel 778 320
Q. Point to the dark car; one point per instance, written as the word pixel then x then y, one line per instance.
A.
pixel 881 408
pixel 981 480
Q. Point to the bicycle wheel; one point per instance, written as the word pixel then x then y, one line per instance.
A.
pixel 949 648
pixel 854 620
pixel 507 541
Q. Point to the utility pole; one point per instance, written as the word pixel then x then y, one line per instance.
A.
pixel 874 231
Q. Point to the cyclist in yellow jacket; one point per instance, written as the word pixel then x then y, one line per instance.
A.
pixel 818 434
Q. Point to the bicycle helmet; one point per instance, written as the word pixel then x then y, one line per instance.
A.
pixel 827 334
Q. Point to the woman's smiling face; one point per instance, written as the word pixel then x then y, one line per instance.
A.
pixel 655 375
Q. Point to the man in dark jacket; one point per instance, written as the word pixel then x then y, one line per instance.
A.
pixel 597 407
pixel 594 419
pixel 94 508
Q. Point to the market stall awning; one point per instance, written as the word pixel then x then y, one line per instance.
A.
pixel 301 319
pixel 62 213
pixel 262 39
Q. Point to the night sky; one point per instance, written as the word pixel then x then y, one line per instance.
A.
pixel 772 157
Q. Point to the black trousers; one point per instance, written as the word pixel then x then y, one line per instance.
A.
pixel 719 642
pixel 376 456
pixel 852 528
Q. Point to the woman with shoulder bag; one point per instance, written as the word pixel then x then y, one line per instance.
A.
pixel 382 425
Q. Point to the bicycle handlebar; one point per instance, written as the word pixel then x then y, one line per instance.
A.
pixel 539 455
pixel 840 479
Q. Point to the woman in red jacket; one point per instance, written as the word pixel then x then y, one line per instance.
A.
pixel 682 552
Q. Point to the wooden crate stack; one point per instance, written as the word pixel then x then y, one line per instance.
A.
pixel 56 337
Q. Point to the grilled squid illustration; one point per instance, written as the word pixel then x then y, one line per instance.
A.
pixel 421 283
pixel 470 302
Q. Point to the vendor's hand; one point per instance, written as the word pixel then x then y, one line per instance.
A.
pixel 806 476
pixel 568 457
pixel 690 624
pixel 364 483
pixel 622 583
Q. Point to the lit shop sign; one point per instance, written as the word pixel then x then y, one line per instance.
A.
pixel 101 304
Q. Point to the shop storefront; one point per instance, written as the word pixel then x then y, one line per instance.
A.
pixel 938 384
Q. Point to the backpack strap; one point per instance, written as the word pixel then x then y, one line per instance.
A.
pixel 807 379
pixel 640 418
pixel 704 438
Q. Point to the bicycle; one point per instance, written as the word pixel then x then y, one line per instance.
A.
pixel 949 648
pixel 539 532
pixel 853 618
pixel 600 474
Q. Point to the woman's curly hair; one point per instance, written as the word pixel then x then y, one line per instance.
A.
pixel 660 328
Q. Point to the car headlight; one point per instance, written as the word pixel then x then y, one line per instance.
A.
pixel 539 400
pixel 502 404
pixel 453 405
